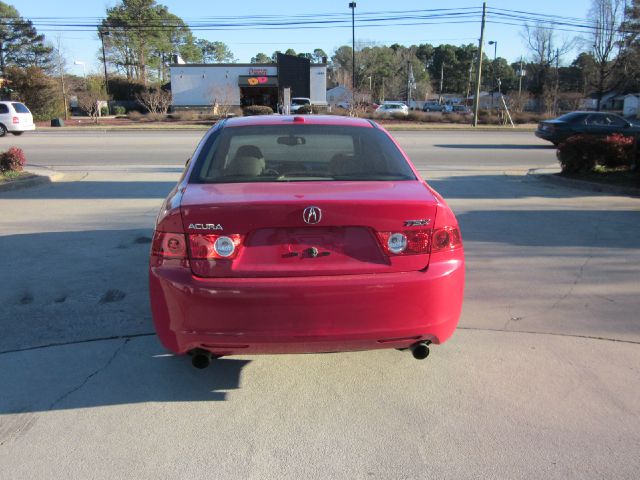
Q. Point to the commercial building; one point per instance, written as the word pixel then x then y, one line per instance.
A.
pixel 243 84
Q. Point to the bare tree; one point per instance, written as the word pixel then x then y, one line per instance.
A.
pixel 546 51
pixel 607 39
pixel 156 100
pixel 89 102
pixel 221 98
pixel 59 66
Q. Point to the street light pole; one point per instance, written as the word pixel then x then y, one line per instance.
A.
pixel 495 57
pixel 352 6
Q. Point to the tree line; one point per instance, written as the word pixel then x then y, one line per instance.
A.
pixel 141 38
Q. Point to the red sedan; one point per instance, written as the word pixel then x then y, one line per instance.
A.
pixel 292 234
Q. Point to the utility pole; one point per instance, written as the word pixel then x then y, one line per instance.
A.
pixel 352 6
pixel 441 77
pixel 520 75
pixel 476 100
pixel 555 96
pixel 410 82
pixel 104 61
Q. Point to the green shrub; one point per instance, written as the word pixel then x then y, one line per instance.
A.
pixel 257 110
pixel 104 111
pixel 12 160
pixel 583 153
pixel 119 110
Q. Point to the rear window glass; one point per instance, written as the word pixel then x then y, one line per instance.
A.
pixel 4 108
pixel 568 117
pixel 285 153
pixel 20 108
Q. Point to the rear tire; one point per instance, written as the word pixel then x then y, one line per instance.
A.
pixel 3 130
pixel 17 133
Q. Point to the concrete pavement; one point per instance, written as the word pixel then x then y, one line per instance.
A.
pixel 485 405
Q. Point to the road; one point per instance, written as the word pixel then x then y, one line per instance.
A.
pixel 541 380
pixel 431 149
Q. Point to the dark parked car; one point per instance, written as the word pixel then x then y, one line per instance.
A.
pixel 436 107
pixel 594 123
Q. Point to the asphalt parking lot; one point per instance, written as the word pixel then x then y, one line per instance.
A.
pixel 541 380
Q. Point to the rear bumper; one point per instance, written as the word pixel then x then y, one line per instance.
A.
pixel 305 314
pixel 20 127
pixel 549 136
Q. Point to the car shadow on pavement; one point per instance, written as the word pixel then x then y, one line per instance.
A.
pixel 551 228
pixel 111 372
pixel 502 186
pixel 88 189
pixel 494 146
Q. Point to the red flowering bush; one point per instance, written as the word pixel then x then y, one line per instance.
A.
pixel 581 153
pixel 12 160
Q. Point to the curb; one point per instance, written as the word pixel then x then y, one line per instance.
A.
pixel 37 176
pixel 551 175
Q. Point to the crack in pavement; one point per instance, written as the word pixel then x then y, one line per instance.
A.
pixel 78 342
pixel 574 284
pixel 90 376
pixel 553 334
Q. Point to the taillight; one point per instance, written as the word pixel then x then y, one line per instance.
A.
pixel 215 246
pixel 16 120
pixel 406 242
pixel 446 238
pixel 169 245
pixel 415 242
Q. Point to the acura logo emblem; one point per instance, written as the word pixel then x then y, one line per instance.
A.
pixel 312 215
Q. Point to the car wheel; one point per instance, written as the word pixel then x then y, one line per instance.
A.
pixel 3 130
pixel 17 133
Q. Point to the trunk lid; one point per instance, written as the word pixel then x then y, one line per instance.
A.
pixel 278 242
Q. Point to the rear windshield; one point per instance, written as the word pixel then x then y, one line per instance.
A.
pixel 286 153
pixel 20 108
pixel 568 117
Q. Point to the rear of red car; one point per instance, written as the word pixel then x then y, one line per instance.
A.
pixel 303 234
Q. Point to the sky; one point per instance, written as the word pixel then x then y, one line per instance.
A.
pixel 245 43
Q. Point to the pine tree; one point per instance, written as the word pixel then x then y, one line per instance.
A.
pixel 20 43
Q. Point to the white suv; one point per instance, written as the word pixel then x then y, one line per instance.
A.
pixel 15 117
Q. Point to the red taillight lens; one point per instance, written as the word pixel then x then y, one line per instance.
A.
pixel 415 242
pixel 169 245
pixel 406 242
pixel 215 246
pixel 16 120
pixel 446 238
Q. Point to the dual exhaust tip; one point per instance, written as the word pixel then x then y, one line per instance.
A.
pixel 202 358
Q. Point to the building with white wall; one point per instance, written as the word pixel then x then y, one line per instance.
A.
pixel 243 84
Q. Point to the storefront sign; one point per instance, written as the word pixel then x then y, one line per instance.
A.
pixel 257 81
pixel 258 72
